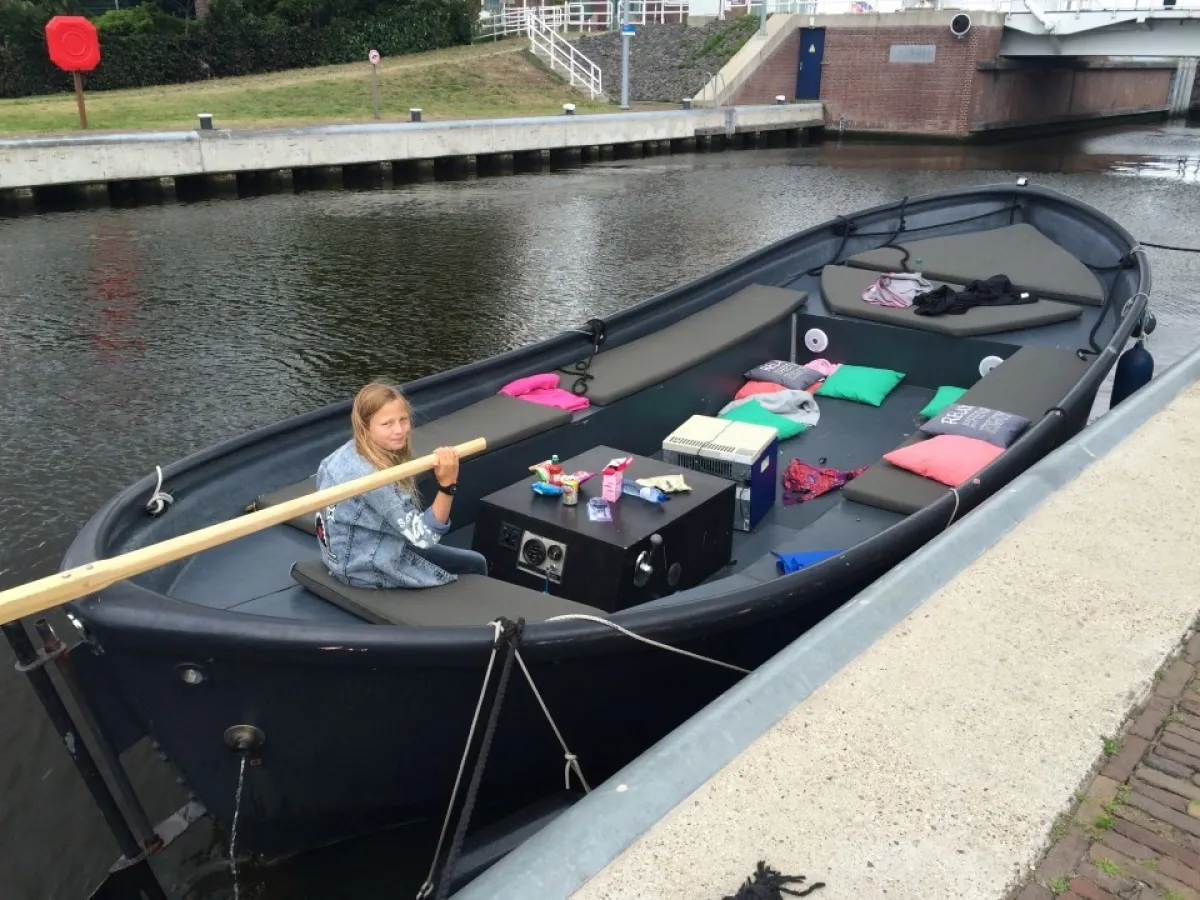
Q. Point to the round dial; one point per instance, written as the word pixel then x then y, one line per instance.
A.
pixel 534 552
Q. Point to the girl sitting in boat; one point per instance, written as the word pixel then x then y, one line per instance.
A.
pixel 383 538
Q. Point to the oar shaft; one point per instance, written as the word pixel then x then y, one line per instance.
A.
pixel 72 584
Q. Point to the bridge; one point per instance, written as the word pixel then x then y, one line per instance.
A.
pixel 1100 28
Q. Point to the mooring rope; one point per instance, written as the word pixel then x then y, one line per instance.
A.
pixel 571 759
pixel 646 640
pixel 427 887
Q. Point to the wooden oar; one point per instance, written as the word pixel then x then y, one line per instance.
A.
pixel 40 595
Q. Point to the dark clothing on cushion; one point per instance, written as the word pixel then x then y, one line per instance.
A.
pixel 994 291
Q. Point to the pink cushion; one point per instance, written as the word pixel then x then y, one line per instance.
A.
pixel 948 458
pixel 750 388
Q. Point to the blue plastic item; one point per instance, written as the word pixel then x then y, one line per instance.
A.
pixel 787 563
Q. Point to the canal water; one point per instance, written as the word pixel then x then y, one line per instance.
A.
pixel 132 337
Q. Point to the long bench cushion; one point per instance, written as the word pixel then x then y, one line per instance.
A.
pixel 653 359
pixel 471 600
pixel 500 419
pixel 1029 383
pixel 1031 261
pixel 842 288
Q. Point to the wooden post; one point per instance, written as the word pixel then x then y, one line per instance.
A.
pixel 375 88
pixel 79 100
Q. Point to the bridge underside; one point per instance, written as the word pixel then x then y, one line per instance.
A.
pixel 1166 32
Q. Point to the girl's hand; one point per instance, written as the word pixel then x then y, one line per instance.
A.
pixel 446 469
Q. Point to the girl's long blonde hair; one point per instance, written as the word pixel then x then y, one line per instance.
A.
pixel 369 401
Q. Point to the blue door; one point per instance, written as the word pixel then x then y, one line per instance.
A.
pixel 808 74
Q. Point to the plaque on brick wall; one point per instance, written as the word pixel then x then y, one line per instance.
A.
pixel 912 53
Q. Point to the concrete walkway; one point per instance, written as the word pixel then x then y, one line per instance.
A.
pixel 935 762
pixel 934 765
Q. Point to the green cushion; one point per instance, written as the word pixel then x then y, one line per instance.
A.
pixel 861 384
pixel 754 414
pixel 945 395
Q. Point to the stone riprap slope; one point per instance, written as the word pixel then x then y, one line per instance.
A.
pixel 666 62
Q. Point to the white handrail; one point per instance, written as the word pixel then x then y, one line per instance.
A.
pixel 562 56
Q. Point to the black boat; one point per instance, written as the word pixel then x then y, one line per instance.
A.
pixel 357 705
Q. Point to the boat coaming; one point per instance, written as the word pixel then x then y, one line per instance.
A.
pixel 365 724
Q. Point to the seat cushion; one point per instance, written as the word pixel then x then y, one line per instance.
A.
pixel 1029 383
pixel 842 288
pixel 500 419
pixel 653 359
pixel 1031 261
pixel 471 600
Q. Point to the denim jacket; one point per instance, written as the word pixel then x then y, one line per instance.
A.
pixel 368 541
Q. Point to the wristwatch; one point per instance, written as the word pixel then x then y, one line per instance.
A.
pixel 450 489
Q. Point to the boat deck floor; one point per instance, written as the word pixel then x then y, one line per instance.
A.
pixel 253 575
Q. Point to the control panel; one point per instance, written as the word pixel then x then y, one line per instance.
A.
pixel 541 556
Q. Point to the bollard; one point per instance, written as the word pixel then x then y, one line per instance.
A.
pixel 205 121
pixel 687 102
pixel 780 99
pixel 568 109
pixel 415 114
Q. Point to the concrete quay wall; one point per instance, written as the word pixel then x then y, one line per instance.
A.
pixel 91 159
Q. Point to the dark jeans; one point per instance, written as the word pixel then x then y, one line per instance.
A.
pixel 456 561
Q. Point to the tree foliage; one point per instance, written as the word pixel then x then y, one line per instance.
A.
pixel 158 43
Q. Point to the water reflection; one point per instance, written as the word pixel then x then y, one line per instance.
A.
pixel 130 337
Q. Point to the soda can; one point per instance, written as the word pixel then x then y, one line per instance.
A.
pixel 570 490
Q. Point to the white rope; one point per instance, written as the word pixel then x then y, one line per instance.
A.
pixel 571 758
pixel 427 887
pixel 160 499
pixel 646 640
pixel 954 513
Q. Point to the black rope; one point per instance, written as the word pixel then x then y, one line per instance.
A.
pixel 510 635
pixel 843 228
pixel 582 369
pixel 1126 261
pixel 851 227
pixel 1169 247
pixel 768 884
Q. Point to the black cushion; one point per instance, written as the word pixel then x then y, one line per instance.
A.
pixel 1031 261
pixel 842 288
pixel 653 359
pixel 500 419
pixel 1029 383
pixel 471 600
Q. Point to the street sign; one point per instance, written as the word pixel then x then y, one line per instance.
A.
pixel 74 47
pixel 73 42
pixel 628 29
pixel 373 57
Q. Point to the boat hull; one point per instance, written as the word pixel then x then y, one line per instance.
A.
pixel 365 726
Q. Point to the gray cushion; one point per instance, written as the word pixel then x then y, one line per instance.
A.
pixel 653 359
pixel 1029 383
pixel 471 600
pixel 500 419
pixel 306 522
pixel 843 286
pixel 1031 261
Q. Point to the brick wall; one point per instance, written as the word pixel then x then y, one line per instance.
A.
pixel 859 82
pixel 774 77
pixel 966 89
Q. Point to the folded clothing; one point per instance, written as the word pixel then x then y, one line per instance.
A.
pixel 543 389
pixel 823 366
pixel 895 289
pixel 794 562
pixel 799 406
pixel 804 482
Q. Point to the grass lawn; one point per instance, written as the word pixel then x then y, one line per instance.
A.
pixel 487 80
